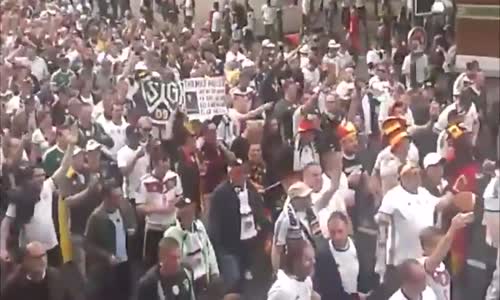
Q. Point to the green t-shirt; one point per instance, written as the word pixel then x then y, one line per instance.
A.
pixel 52 159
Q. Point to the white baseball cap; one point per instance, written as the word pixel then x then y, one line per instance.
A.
pixel 267 44
pixel 433 159
pixel 333 44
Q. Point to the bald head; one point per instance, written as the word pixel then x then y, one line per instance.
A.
pixel 35 249
pixel 144 121
pixel 413 276
pixel 35 261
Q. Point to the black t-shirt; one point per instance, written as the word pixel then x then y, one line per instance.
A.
pixel 26 289
pixel 283 112
pixel 351 165
pixel 177 287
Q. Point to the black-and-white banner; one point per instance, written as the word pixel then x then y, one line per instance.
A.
pixel 158 99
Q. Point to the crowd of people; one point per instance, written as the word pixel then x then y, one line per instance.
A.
pixel 338 171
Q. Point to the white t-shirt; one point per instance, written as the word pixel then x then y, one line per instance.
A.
pixel 287 288
pixel 120 236
pixel 387 164
pixel 41 226
pixel 344 59
pixel 189 8
pixel 422 65
pixel 133 180
pixel 117 134
pixel 373 57
pixel 348 265
pixel 410 213
pixel 460 83
pixel 312 78
pixel 38 66
pixel 239 57
pixel 471 118
pixel 268 14
pixel 306 6
pixel 491 217
pixel 248 229
pixel 13 105
pixel 216 22
pixel 427 294
pixel 439 281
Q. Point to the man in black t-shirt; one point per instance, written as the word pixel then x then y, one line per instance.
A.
pixel 167 280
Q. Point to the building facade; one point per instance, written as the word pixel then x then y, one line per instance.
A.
pixel 478 34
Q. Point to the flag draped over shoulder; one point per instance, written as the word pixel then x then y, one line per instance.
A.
pixel 64 229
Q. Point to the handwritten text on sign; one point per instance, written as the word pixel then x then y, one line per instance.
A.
pixel 204 97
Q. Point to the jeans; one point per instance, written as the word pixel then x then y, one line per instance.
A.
pixel 231 272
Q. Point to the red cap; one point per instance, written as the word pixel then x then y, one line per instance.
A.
pixel 306 125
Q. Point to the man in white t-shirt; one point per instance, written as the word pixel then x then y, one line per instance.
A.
pixel 467 112
pixel 413 286
pixel 40 226
pixel 268 12
pixel 417 62
pixel 405 211
pixel 387 164
pixel 296 222
pixel 133 161
pixel 115 129
pixel 37 65
pixel 436 247
pixel 295 283
pixel 374 57
pixel 216 22
pixel 311 73
pixel 234 53
pixel 328 193
pixel 158 193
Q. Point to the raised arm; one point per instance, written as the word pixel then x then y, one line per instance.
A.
pixel 71 138
pixel 438 255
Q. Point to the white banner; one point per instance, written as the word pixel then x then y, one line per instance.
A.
pixel 204 97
